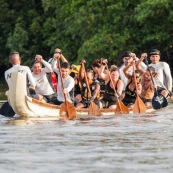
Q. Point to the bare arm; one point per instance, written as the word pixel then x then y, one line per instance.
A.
pixel 96 91
pixel 101 71
pixel 82 70
pixel 120 87
pixel 128 76
pixel 138 64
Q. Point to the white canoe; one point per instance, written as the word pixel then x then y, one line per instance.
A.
pixel 25 106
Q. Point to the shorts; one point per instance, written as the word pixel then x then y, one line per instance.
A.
pixel 106 103
pixel 146 100
pixel 50 98
pixel 87 102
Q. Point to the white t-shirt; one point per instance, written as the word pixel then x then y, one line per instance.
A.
pixel 130 71
pixel 68 84
pixel 164 74
pixel 42 84
pixel 19 68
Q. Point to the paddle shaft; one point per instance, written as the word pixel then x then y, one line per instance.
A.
pixel 59 66
pixel 86 80
pixel 150 72
pixel 134 74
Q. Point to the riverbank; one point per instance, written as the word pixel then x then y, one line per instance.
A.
pixel 3 89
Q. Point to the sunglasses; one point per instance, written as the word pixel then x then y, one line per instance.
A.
pixel 136 77
pixel 57 52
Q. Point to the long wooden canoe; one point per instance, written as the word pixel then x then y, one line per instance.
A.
pixel 25 106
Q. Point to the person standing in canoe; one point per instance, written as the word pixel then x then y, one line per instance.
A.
pixel 43 88
pixel 15 60
pixel 68 81
pixel 130 90
pixel 163 71
pixel 112 90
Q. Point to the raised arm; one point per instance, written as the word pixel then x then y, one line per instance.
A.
pixel 126 69
pixel 101 71
pixel 82 70
pixel 48 67
pixel 138 64
pixel 58 53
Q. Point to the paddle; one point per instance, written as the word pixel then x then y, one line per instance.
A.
pixel 163 86
pixel 139 106
pixel 93 108
pixel 6 110
pixel 67 109
pixel 158 101
pixel 120 107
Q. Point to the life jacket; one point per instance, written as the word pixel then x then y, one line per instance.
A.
pixel 52 78
pixel 92 88
pixel 130 96
pixel 109 94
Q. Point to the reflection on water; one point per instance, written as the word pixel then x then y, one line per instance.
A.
pixel 129 143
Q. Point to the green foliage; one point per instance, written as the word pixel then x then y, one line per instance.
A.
pixel 85 29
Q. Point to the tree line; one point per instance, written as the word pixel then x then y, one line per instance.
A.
pixel 87 30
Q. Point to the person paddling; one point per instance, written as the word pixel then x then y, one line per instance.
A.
pixel 148 88
pixel 130 89
pixel 43 88
pixel 68 81
pixel 163 71
pixel 90 87
pixel 127 58
pixel 112 85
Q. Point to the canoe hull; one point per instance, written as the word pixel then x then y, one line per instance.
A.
pixel 26 106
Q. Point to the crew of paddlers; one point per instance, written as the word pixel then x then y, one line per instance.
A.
pixel 101 83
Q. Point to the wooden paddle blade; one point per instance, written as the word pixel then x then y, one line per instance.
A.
pixel 6 110
pixel 93 109
pixel 67 110
pixel 139 106
pixel 159 101
pixel 121 108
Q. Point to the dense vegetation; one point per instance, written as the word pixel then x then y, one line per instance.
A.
pixel 85 29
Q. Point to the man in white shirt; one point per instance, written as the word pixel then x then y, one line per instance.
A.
pixel 127 58
pixel 163 72
pixel 68 81
pixel 43 88
pixel 15 60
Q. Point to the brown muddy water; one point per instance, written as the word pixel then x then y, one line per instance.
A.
pixel 123 144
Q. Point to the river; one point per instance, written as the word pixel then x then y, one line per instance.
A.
pixel 122 144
